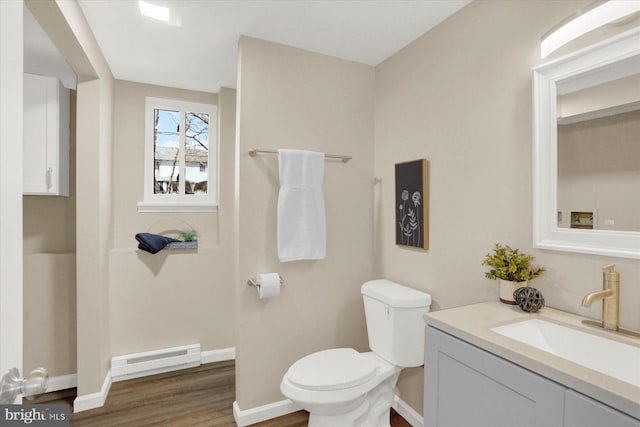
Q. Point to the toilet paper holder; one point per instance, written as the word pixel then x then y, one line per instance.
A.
pixel 253 282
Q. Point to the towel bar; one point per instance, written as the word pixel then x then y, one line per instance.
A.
pixel 254 151
pixel 252 281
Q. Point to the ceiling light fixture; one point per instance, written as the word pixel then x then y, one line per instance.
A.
pixel 154 11
pixel 596 15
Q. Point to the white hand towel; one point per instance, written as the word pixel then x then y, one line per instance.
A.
pixel 302 230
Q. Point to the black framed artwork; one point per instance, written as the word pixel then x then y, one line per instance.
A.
pixel 412 226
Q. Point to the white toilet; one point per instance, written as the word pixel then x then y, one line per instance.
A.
pixel 343 388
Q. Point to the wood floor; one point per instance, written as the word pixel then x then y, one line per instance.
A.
pixel 201 396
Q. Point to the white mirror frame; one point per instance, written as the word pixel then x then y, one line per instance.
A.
pixel 546 233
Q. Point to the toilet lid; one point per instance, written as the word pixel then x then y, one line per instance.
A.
pixel 334 369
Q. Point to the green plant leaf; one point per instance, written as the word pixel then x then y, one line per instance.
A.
pixel 509 264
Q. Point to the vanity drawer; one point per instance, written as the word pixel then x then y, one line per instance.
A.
pixel 582 411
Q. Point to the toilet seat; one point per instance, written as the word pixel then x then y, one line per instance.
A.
pixel 335 369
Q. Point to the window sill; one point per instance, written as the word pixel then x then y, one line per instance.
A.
pixel 176 207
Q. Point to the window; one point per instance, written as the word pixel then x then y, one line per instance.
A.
pixel 180 156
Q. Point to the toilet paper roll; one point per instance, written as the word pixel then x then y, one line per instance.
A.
pixel 269 285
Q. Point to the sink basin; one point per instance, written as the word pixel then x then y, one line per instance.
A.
pixel 610 357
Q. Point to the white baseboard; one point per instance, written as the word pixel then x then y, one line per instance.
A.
pixel 407 412
pixel 218 355
pixel 62 382
pixel 284 407
pixel 93 400
pixel 263 413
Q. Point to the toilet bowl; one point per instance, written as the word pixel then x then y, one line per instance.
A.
pixel 341 387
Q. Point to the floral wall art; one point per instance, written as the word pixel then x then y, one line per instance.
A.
pixel 412 227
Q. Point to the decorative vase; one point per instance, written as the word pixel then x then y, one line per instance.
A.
pixel 507 288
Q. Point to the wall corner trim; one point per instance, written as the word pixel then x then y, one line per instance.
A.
pixel 93 400
pixel 407 412
pixel 220 355
pixel 263 413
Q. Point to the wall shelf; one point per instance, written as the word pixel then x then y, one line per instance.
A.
pixel 173 246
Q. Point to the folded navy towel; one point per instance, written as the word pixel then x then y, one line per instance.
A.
pixel 153 243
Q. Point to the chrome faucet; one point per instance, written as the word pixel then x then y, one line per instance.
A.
pixel 610 296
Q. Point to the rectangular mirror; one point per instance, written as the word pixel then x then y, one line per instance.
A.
pixel 587 150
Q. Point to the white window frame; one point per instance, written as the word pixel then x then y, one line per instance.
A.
pixel 179 202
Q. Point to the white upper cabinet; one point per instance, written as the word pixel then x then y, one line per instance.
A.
pixel 46 136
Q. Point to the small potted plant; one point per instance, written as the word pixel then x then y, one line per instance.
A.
pixel 512 269
pixel 189 235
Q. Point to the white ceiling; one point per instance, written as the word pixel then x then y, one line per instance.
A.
pixel 201 54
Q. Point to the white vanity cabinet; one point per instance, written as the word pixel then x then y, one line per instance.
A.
pixel 468 386
pixel 45 136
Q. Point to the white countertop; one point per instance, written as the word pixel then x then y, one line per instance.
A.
pixel 473 324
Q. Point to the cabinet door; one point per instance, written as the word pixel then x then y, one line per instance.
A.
pixel 45 136
pixel 36 172
pixel 467 386
pixel 582 411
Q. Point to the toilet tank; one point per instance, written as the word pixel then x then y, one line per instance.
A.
pixel 394 321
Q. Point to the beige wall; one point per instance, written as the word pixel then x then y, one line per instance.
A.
pixel 174 297
pixel 290 98
pixel 49 284
pixel 460 96
pixel 50 312
pixel 94 228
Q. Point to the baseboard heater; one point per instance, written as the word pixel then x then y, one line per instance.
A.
pixel 155 362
